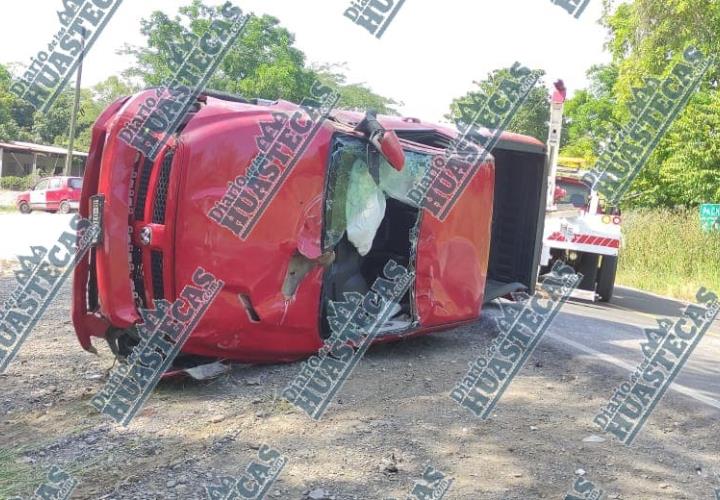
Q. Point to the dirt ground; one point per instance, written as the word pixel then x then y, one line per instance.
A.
pixel 7 198
pixel 394 410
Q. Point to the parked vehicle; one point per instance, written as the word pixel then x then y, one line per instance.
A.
pixel 52 194
pixel 584 233
pixel 279 280
pixel 579 229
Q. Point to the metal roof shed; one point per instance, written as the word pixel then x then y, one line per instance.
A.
pixel 21 159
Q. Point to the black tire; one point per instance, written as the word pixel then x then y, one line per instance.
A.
pixel 24 207
pixel 64 207
pixel 606 278
pixel 587 265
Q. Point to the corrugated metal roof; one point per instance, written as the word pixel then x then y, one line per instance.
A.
pixel 29 147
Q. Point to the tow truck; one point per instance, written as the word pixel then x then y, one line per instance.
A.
pixel 580 228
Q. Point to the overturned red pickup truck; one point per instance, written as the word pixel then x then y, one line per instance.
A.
pixel 313 242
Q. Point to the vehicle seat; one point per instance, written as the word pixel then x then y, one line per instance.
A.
pixel 345 274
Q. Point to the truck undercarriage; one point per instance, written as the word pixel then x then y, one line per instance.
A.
pixel 518 214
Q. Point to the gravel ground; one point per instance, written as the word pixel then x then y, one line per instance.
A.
pixel 392 418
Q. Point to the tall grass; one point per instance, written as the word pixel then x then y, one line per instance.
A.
pixel 666 252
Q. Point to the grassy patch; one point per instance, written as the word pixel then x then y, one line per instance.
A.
pixel 8 209
pixel 16 477
pixel 282 405
pixel 667 252
pixel 20 478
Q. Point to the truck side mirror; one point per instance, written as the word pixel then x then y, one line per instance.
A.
pixel 391 149
pixel 386 141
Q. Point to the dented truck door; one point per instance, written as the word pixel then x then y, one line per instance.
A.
pixel 453 255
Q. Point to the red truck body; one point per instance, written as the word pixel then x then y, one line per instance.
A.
pixel 253 320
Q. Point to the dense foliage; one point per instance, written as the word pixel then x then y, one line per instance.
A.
pixel 645 36
pixel 263 62
pixel 665 251
pixel 531 119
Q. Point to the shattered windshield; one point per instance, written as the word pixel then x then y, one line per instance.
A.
pixel 357 192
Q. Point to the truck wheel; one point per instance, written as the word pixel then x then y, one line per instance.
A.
pixel 606 277
pixel 24 208
pixel 587 265
pixel 64 207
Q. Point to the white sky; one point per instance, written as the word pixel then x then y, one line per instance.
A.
pixel 430 54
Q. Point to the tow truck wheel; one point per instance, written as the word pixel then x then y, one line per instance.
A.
pixel 24 208
pixel 587 265
pixel 606 278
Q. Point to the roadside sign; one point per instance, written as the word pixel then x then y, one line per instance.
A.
pixel 710 217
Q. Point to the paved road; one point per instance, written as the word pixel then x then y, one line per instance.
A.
pixel 612 333
pixel 601 333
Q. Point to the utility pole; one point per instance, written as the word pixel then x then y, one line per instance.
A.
pixel 76 108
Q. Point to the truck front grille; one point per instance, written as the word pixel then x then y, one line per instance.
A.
pixel 142 190
pixel 161 190
pixel 156 259
pixel 152 184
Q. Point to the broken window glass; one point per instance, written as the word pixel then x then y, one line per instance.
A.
pixel 355 202
pixel 346 151
pixel 396 184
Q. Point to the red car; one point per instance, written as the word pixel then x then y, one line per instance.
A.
pixel 155 231
pixel 52 194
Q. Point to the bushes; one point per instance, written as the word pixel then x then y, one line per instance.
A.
pixel 666 252
pixel 17 183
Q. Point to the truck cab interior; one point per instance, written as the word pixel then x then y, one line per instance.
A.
pixel 369 220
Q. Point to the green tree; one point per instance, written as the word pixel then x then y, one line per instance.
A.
pixel 15 114
pixel 644 32
pixel 53 127
pixel 263 62
pixel 111 89
pixel 355 96
pixel 646 37
pixel 20 121
pixel 93 102
pixel 589 115
pixel 531 119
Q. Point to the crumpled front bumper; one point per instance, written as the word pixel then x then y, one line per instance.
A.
pixel 102 294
